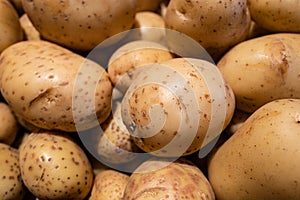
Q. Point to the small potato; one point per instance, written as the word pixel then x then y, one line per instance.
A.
pixel 262 159
pixel 53 88
pixel 30 31
pixel 54 167
pixel 11 186
pixel 263 69
pixel 125 60
pixel 151 26
pixel 115 144
pixel 10 28
pixel 80 25
pixel 158 179
pixel 109 185
pixel 276 15
pixel 216 25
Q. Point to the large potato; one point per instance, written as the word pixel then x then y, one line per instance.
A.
pixel 276 15
pixel 10 28
pixel 80 25
pixel 262 159
pixel 263 69
pixel 168 108
pixel 155 179
pixel 53 88
pixel 216 25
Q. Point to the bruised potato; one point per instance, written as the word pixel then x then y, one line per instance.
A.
pixel 262 159
pixel 10 28
pixel 216 25
pixel 276 15
pixel 159 179
pixel 53 88
pixel 263 69
pixel 80 25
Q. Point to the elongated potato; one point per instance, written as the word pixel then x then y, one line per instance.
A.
pixel 263 69
pixel 53 88
pixel 80 25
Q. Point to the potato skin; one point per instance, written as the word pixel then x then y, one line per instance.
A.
pixel 276 15
pixel 262 159
pixel 10 28
pixel 8 124
pixel 38 82
pixel 80 25
pixel 263 69
pixel 216 25
pixel 178 180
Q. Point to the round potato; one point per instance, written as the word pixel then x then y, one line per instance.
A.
pixel 169 107
pixel 263 69
pixel 53 88
pixel 216 25
pixel 159 179
pixel 53 166
pixel 10 28
pixel 276 15
pixel 80 25
pixel 109 185
pixel 262 159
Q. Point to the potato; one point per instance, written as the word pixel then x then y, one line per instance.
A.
pixel 262 159
pixel 54 167
pixel 151 26
pixel 109 185
pixel 115 144
pixel 263 69
pixel 52 88
pixel 10 28
pixel 276 15
pixel 168 108
pixel 159 179
pixel 29 30
pixel 8 124
pixel 11 186
pixel 126 59
pixel 238 119
pixel 80 25
pixel 216 25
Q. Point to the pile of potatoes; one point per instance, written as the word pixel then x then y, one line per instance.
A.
pixel 77 119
